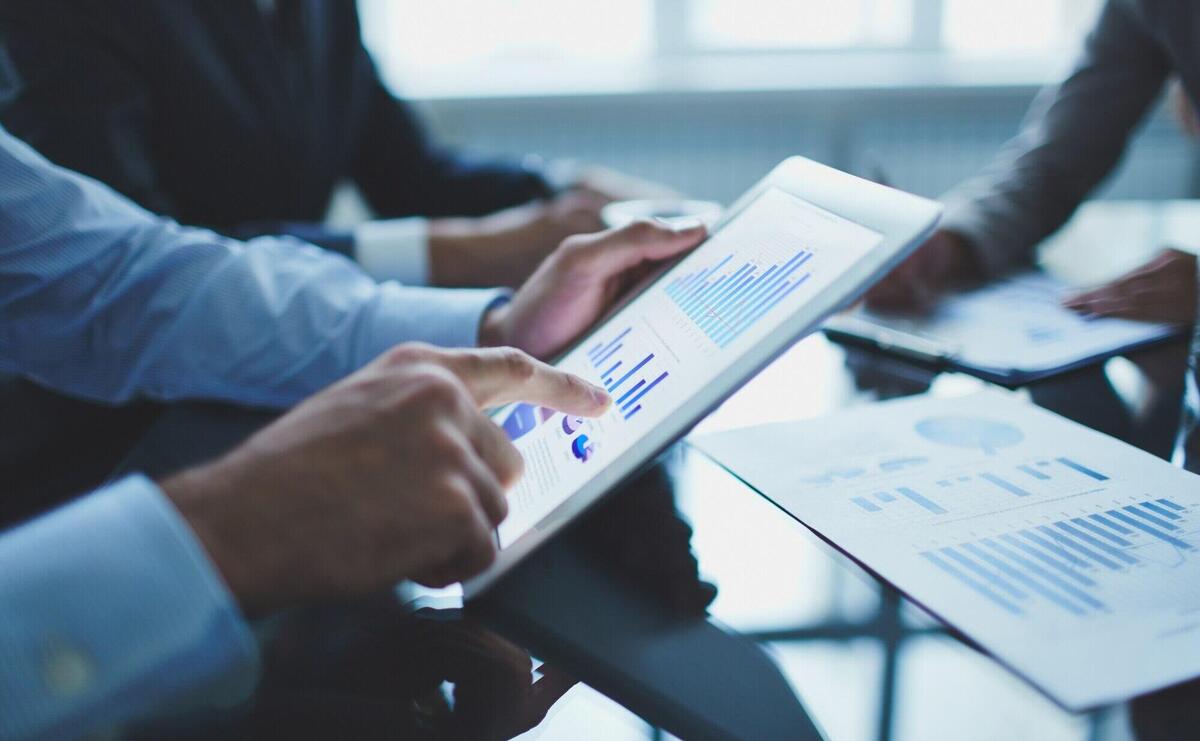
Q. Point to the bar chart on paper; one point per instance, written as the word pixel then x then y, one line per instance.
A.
pixel 1063 563
pixel 724 301
pixel 937 494
pixel 628 369
pixel 1071 557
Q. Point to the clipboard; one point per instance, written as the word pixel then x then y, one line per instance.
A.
pixel 1011 333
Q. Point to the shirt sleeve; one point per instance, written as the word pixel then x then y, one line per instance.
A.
pixel 102 300
pixel 394 249
pixel 1071 140
pixel 111 607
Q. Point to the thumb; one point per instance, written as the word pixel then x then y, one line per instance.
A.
pixel 617 250
pixel 502 375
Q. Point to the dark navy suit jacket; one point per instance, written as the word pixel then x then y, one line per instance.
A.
pixel 215 114
pixel 218 115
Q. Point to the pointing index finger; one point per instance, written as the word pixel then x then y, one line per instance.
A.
pixel 505 375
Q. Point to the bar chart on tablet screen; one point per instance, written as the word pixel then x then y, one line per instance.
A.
pixel 628 368
pixel 726 298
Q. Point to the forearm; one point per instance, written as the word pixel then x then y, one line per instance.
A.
pixel 1072 139
pixel 111 611
pixel 102 300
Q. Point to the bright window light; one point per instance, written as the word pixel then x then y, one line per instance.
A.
pixel 783 24
pixel 991 27
pixel 445 33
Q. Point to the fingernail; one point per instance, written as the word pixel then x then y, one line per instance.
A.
pixel 679 224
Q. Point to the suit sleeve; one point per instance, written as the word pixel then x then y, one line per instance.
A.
pixel 98 123
pixel 402 173
pixel 1073 137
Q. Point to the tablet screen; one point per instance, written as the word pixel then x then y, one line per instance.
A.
pixel 682 333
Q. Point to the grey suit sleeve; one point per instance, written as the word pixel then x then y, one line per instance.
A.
pixel 1072 138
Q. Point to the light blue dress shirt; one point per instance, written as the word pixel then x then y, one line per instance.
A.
pixel 109 607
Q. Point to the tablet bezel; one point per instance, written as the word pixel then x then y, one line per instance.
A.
pixel 902 219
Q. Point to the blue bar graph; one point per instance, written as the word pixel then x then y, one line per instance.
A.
pixel 1083 469
pixel 1033 472
pixel 1160 510
pixel 1163 524
pixel 1056 561
pixel 724 302
pixel 1003 484
pixel 888 498
pixel 866 504
pixel 629 388
pixel 1147 529
pixel 928 504
pixel 972 583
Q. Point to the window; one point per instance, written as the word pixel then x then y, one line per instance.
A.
pixel 416 35
pixel 799 24
pixel 989 27
pixel 418 39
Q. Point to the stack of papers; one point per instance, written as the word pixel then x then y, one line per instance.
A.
pixel 1070 557
pixel 1011 331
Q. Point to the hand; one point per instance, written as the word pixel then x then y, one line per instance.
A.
pixel 505 247
pixel 578 282
pixel 1185 111
pixel 915 285
pixel 390 474
pixel 1162 290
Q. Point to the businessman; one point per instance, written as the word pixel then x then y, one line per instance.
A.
pixel 1072 138
pixel 242 116
pixel 131 599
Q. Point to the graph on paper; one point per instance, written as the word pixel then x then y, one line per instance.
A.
pixel 1069 555
pixel 725 301
pixel 937 495
pixel 1061 562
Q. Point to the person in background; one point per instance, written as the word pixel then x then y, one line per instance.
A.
pixel 243 116
pixel 133 599
pixel 1165 288
pixel 1072 138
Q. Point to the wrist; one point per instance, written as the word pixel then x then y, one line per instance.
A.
pixel 960 260
pixel 493 328
pixel 451 245
pixel 197 495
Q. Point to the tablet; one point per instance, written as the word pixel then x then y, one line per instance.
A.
pixel 804 242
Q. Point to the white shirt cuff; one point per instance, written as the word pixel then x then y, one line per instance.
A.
pixel 111 610
pixel 395 249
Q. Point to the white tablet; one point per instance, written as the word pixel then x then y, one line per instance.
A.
pixel 804 242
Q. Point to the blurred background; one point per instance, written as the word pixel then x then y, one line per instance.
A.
pixel 707 95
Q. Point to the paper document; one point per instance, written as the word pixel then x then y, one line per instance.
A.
pixel 1071 557
pixel 1013 327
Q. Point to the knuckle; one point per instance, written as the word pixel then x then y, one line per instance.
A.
pixel 437 389
pixel 575 243
pixel 447 450
pixel 574 252
pixel 517 364
pixel 407 354
pixel 644 230
pixel 460 506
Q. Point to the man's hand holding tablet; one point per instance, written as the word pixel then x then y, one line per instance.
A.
pixel 802 243
pixel 580 281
